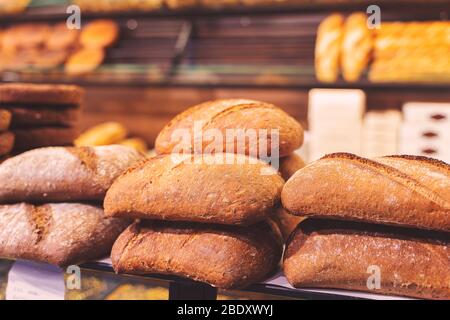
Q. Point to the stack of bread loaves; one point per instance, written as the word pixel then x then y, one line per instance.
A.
pixel 42 115
pixel 393 236
pixel 206 215
pixel 43 215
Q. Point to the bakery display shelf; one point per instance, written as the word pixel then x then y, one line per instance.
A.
pixel 56 10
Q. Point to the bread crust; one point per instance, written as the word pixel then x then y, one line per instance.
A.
pixel 208 191
pixel 344 186
pixel 5 120
pixel 61 234
pixel 233 114
pixel 23 115
pixel 6 142
pixel 63 174
pixel 28 93
pixel 223 256
pixel 337 254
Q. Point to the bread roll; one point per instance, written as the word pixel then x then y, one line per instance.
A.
pixel 328 48
pixel 343 255
pixel 225 257
pixel 63 174
pixel 348 187
pixel 211 189
pixel 5 119
pixel 84 61
pixel 6 142
pixel 103 134
pixel 99 34
pixel 62 234
pixel 38 137
pixel 223 115
pixel 290 165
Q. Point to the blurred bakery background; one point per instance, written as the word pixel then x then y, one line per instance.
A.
pixel 367 91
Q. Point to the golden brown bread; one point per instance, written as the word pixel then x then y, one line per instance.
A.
pixel 38 137
pixel 230 114
pixel 223 256
pixel 209 189
pixel 344 186
pixel 62 234
pixel 6 142
pixel 42 116
pixel 26 93
pixel 63 174
pixel 290 165
pixel 339 255
pixel 5 119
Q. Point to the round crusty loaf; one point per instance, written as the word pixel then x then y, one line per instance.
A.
pixel 231 114
pixel 242 191
pixel 223 256
pixel 62 234
pixel 27 93
pixel 63 174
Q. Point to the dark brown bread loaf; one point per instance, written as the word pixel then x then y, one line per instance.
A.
pixel 223 256
pixel 27 93
pixel 231 114
pixel 5 119
pixel 348 187
pixel 32 138
pixel 242 191
pixel 6 142
pixel 63 174
pixel 42 116
pixel 343 255
pixel 62 234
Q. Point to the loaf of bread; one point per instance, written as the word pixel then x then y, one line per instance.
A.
pixel 63 174
pixel 5 119
pixel 62 234
pixel 344 255
pixel 251 117
pixel 222 256
pixel 39 137
pixel 290 165
pixel 328 48
pixel 26 93
pixel 223 189
pixel 99 34
pixel 6 142
pixel 103 134
pixel 348 187
pixel 43 116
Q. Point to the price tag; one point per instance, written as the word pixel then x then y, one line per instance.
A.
pixel 35 281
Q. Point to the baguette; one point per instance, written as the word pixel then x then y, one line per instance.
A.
pixel 61 234
pixel 330 254
pixel 211 190
pixel 226 115
pixel 5 120
pixel 344 186
pixel 26 93
pixel 222 256
pixel 63 174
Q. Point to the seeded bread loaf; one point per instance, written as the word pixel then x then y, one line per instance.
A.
pixel 223 256
pixel 388 191
pixel 348 255
pixel 199 189
pixel 63 174
pixel 222 115
pixel 62 234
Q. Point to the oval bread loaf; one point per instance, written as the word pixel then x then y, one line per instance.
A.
pixel 240 190
pixel 222 115
pixel 63 174
pixel 62 234
pixel 223 256
pixel 338 254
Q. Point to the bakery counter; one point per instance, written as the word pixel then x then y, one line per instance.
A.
pixel 99 282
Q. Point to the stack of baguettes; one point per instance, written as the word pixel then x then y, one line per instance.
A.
pixel 206 215
pixel 381 225
pixel 42 115
pixel 50 203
